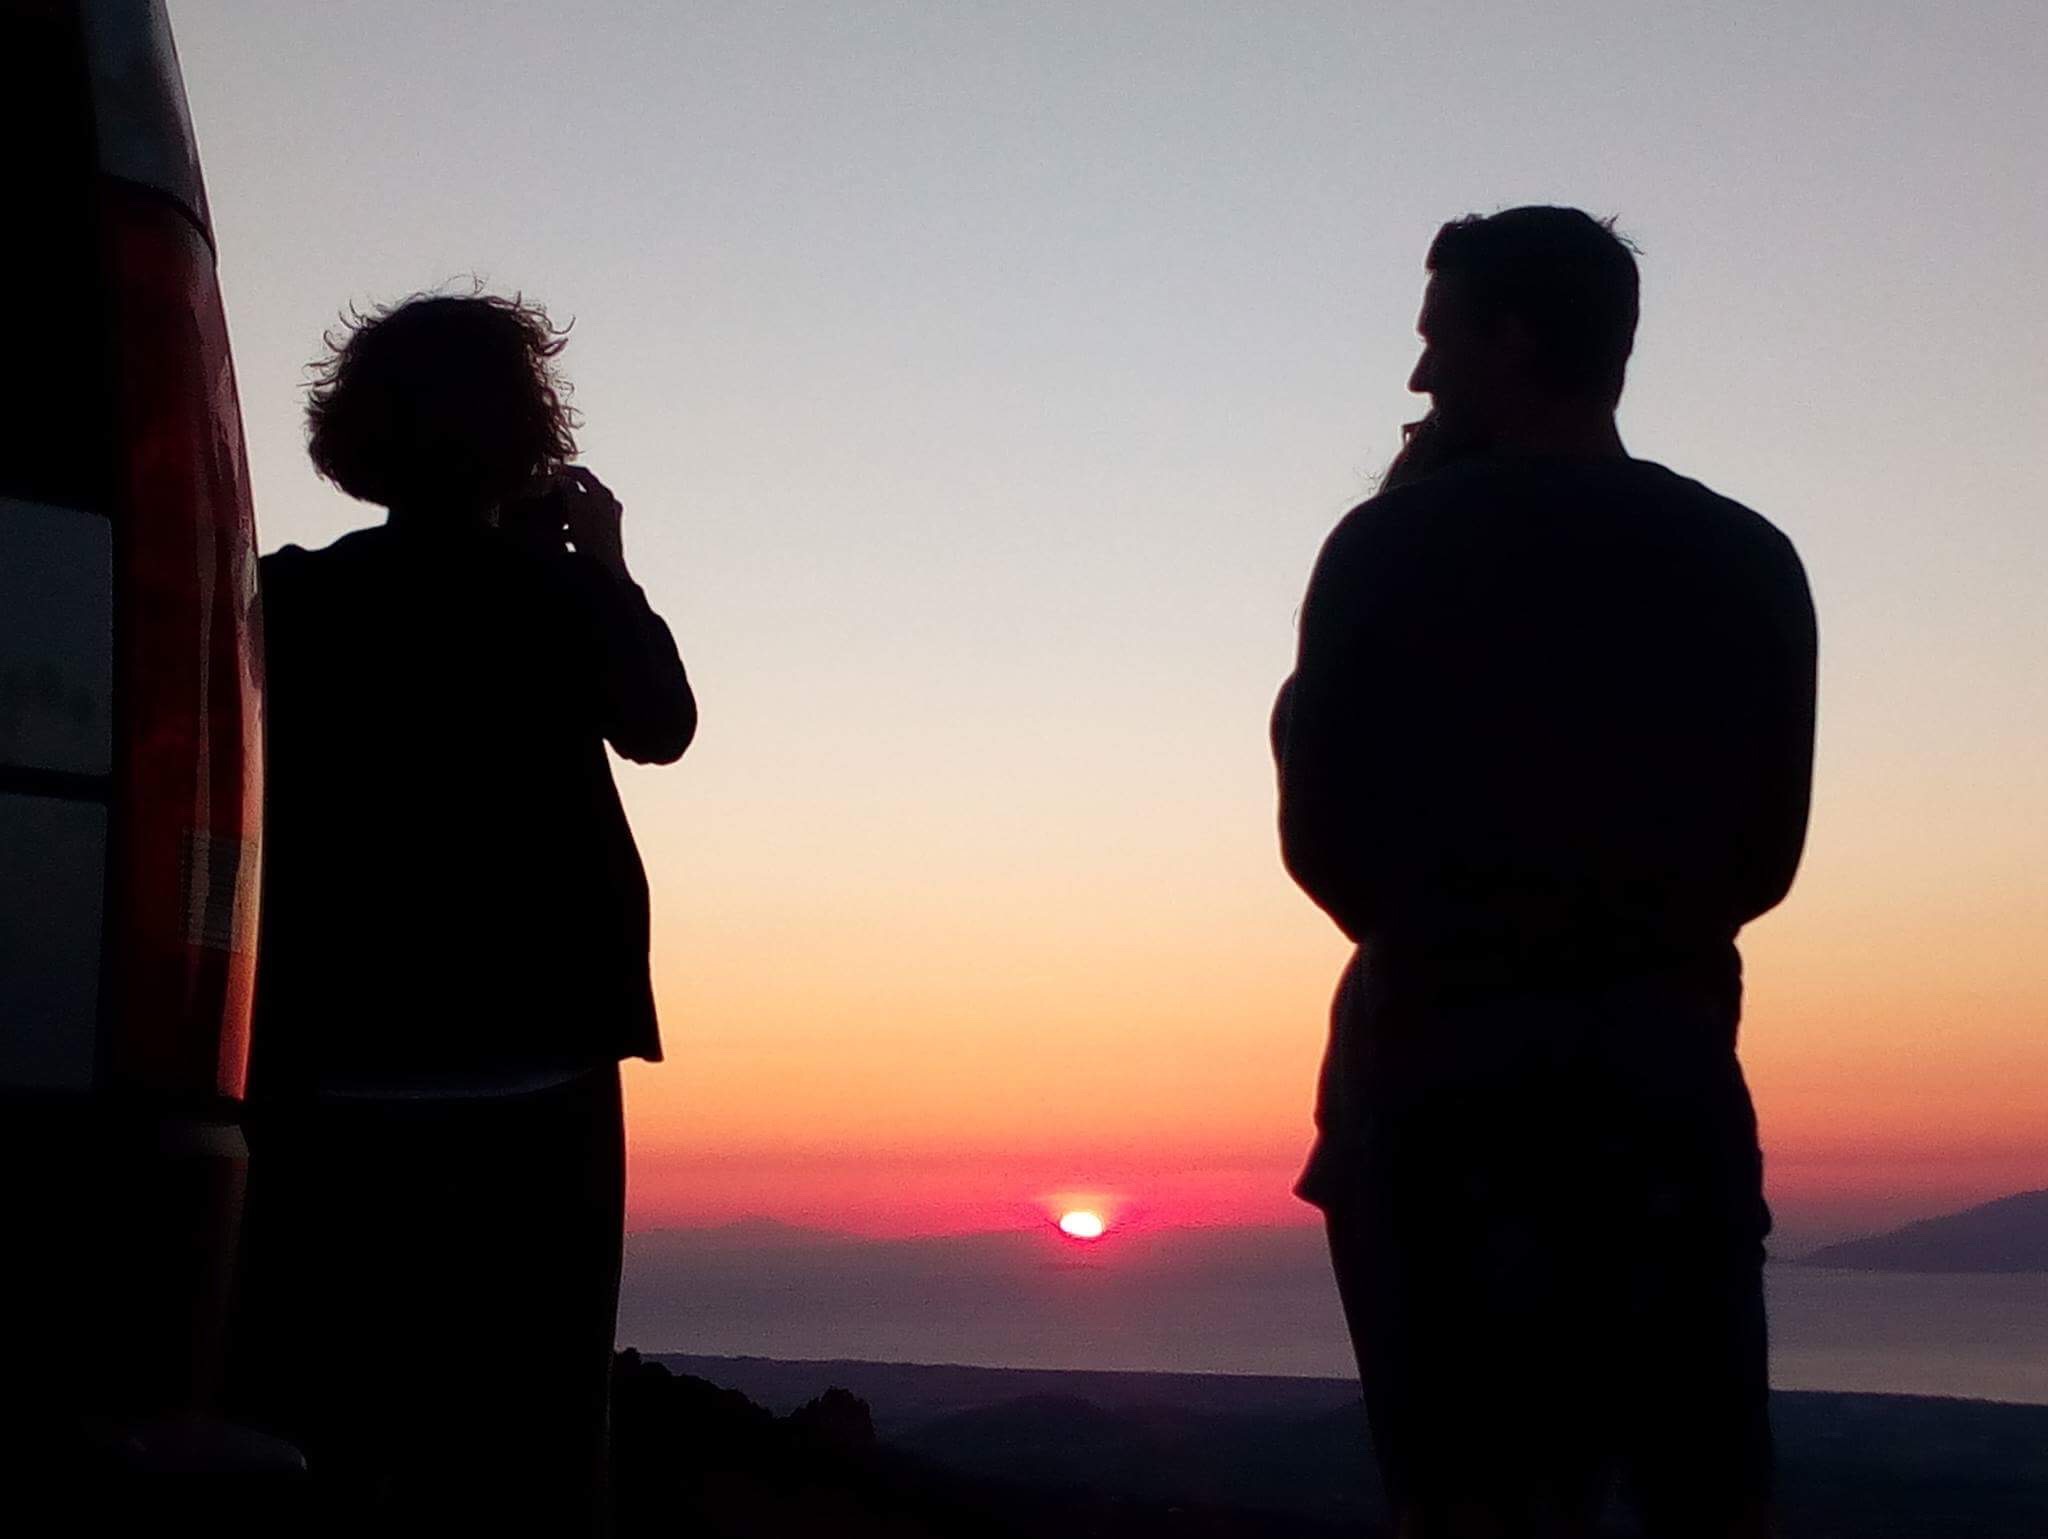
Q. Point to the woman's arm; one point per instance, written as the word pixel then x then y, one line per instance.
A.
pixel 647 710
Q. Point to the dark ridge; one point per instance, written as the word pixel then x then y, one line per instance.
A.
pixel 1042 1454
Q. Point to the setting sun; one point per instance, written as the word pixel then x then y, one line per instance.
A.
pixel 1081 1224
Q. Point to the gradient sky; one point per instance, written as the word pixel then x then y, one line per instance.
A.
pixel 980 380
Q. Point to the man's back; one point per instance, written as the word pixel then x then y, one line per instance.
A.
pixel 1552 721
pixel 1548 749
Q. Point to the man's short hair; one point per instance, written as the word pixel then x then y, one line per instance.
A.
pixel 1564 275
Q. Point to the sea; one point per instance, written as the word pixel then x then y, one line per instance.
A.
pixel 1242 1302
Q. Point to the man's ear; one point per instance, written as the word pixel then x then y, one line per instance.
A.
pixel 1515 343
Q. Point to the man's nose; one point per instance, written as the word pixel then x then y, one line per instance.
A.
pixel 1422 381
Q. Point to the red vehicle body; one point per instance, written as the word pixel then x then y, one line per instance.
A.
pixel 130 740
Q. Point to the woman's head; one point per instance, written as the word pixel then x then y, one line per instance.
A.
pixel 441 402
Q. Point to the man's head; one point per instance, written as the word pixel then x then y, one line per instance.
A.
pixel 448 404
pixel 1528 317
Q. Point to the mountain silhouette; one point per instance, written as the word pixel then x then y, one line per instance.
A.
pixel 2009 1235
pixel 905 1450
pixel 1289 1468
pixel 692 1456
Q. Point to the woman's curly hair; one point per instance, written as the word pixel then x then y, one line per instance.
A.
pixel 448 401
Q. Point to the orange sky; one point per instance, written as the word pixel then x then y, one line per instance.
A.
pixel 1133 1006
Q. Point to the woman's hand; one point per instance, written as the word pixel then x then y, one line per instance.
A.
pixel 593 515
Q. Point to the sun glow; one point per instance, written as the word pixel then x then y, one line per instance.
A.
pixel 1082 1224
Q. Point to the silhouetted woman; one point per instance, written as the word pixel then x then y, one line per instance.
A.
pixel 454 937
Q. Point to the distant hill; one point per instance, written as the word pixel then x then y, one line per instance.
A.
pixel 905 1396
pixel 692 1456
pixel 900 1449
pixel 2009 1235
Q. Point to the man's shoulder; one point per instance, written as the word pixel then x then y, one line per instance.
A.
pixel 1731 521
pixel 1477 499
pixel 1488 510
pixel 1407 532
pixel 1396 516
pixel 1477 485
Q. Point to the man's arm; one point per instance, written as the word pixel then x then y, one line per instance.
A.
pixel 1330 758
pixel 1783 748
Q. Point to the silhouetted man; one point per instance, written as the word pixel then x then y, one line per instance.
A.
pixel 454 939
pixel 1548 749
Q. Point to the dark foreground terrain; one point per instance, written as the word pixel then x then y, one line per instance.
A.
pixel 754 1447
